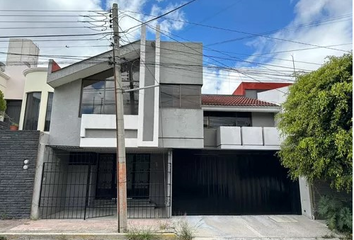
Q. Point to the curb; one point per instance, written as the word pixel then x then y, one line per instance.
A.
pixel 74 236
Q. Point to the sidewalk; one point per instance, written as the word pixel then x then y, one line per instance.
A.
pixel 208 227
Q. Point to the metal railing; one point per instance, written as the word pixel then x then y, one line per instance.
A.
pixel 81 185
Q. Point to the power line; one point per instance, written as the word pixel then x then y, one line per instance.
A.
pixel 56 35
pixel 162 15
pixel 47 10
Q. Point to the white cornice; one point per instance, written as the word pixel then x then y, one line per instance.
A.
pixel 36 69
pixel 4 75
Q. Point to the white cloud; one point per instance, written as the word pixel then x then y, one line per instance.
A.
pixel 82 46
pixel 304 28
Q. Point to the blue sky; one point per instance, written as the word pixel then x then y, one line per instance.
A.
pixel 304 30
pixel 289 27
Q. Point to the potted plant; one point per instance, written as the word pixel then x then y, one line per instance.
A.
pixel 14 127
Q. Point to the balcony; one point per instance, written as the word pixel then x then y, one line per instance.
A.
pixel 255 138
pixel 99 130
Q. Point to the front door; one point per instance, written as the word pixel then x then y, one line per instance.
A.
pixel 138 176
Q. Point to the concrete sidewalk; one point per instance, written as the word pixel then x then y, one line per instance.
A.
pixel 206 227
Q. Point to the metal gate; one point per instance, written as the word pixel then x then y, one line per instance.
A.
pixel 79 185
pixel 232 183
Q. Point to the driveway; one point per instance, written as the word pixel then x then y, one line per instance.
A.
pixel 257 227
pixel 205 227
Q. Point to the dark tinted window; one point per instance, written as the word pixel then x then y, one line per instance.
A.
pixel 48 113
pixel 217 119
pixel 32 111
pixel 180 96
pixel 98 93
pixel 13 111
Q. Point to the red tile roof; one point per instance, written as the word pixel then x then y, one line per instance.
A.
pixel 233 100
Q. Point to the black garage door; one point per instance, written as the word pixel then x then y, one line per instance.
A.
pixel 232 183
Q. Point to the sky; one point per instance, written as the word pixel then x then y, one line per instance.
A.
pixel 243 40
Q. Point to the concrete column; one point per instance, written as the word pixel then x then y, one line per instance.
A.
pixel 41 155
pixel 305 196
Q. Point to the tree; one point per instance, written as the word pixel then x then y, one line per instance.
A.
pixel 2 102
pixel 316 123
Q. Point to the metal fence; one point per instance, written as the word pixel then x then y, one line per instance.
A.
pixel 81 185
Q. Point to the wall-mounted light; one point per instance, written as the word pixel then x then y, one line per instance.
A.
pixel 25 164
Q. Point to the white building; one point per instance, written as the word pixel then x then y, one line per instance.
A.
pixel 27 94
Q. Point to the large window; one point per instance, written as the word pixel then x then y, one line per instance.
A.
pixel 48 113
pixel 218 119
pixel 98 93
pixel 32 111
pixel 180 96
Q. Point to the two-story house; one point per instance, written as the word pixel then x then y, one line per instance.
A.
pixel 187 153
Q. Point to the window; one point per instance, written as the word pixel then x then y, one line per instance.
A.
pixel 32 111
pixel 180 96
pixel 98 93
pixel 13 111
pixel 217 119
pixel 48 113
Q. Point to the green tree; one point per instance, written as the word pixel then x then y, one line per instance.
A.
pixel 2 102
pixel 316 123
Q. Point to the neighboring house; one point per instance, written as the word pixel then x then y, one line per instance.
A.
pixel 26 92
pixel 187 153
pixel 252 89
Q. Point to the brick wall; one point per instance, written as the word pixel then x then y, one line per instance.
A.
pixel 16 184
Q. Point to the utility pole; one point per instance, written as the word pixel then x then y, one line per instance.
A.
pixel 293 66
pixel 121 163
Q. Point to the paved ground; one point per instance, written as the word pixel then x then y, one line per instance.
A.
pixel 215 227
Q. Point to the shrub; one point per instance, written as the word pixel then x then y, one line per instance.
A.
pixel 141 234
pixel 2 102
pixel 338 214
pixel 184 231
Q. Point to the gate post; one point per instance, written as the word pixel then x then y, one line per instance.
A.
pixel 41 154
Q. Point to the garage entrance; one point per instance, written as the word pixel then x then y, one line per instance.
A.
pixel 232 183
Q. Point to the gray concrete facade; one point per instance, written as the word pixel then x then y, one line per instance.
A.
pixel 65 121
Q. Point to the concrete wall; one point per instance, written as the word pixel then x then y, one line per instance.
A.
pixel 16 82
pixel 25 52
pixel 148 101
pixel 210 136
pixel 262 119
pixel 16 184
pixel 3 82
pixel 181 128
pixel 65 121
pixel 36 81
pixel 181 63
pixel 277 96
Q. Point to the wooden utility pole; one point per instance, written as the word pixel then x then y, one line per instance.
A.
pixel 121 163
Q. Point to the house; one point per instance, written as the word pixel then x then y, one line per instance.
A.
pixel 187 153
pixel 254 89
pixel 27 95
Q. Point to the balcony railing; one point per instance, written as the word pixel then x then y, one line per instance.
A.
pixel 261 138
